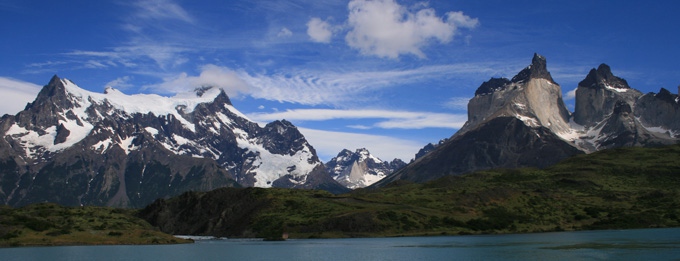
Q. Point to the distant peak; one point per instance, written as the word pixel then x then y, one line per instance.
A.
pixel 603 77
pixel 362 150
pixel 538 60
pixel 55 79
pixel 344 152
pixel 604 69
pixel 222 97
pixel 666 95
pixel 54 88
pixel 537 70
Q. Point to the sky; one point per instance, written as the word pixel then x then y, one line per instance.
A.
pixel 386 75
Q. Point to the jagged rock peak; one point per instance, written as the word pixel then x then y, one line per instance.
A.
pixel 53 88
pixel 427 148
pixel 491 86
pixel 537 69
pixel 602 77
pixel 667 96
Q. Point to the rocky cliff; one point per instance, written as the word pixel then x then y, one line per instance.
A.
pixel 523 122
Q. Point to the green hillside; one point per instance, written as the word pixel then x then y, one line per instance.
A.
pixel 622 188
pixel 49 224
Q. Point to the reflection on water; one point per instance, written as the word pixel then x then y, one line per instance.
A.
pixel 643 244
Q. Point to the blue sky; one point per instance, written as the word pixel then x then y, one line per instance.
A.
pixel 388 75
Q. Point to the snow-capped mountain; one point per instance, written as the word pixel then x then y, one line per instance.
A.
pixel 523 122
pixel 360 168
pixel 73 147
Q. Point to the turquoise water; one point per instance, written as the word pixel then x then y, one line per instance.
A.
pixel 641 244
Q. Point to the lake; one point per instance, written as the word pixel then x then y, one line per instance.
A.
pixel 639 244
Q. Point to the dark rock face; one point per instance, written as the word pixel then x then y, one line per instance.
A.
pixel 660 110
pixel 504 142
pixel 524 123
pixel 492 85
pixel 221 213
pixel 510 124
pixel 62 134
pixel 74 147
pixel 623 114
pixel 429 147
pixel 598 93
pixel 603 77
pixel 537 69
pixel 360 169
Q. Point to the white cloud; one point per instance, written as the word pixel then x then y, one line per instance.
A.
pixel 461 20
pixel 285 32
pixel 386 29
pixel 120 83
pixel 385 148
pixel 319 31
pixel 570 95
pixel 340 88
pixel 337 88
pixel 211 75
pixel 393 119
pixel 161 10
pixel 457 103
pixel 16 94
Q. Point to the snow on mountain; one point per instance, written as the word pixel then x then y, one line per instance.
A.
pixel 66 123
pixel 535 99
pixel 523 122
pixel 360 168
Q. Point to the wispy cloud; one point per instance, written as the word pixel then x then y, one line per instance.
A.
pixel 457 103
pixel 16 94
pixel 338 88
pixel 390 119
pixel 570 95
pixel 120 83
pixel 161 10
pixel 285 32
pixel 156 29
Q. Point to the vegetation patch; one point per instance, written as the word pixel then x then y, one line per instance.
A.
pixel 615 189
pixel 48 224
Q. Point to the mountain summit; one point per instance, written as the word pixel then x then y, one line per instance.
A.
pixel 537 70
pixel 524 122
pixel 76 147
pixel 360 168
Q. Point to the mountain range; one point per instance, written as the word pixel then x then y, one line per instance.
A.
pixel 76 147
pixel 524 122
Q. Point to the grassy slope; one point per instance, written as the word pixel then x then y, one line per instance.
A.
pixel 623 188
pixel 50 224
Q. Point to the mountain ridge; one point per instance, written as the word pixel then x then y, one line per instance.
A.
pixel 608 114
pixel 70 128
